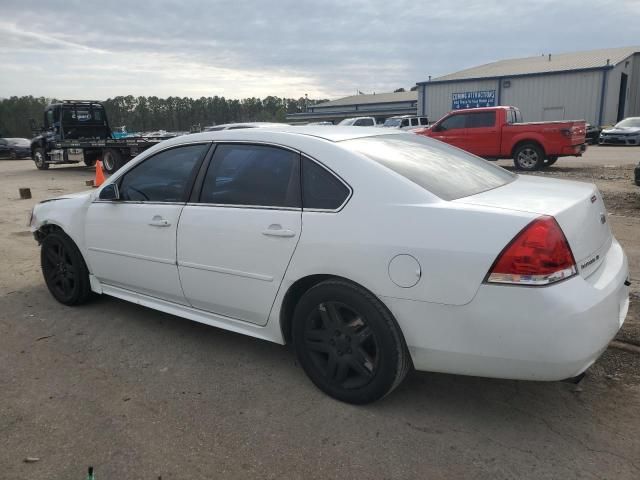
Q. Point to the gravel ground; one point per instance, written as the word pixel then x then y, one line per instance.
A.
pixel 141 394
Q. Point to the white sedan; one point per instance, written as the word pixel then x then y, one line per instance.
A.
pixel 370 251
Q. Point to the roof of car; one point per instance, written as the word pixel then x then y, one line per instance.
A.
pixel 326 132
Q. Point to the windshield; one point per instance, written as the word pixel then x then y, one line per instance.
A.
pixel 392 122
pixel 629 122
pixel 347 121
pixel 443 170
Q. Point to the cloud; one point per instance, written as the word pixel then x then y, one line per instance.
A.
pixel 245 48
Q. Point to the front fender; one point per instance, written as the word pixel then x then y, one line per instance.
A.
pixel 67 212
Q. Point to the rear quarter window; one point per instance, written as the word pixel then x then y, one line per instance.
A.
pixel 445 171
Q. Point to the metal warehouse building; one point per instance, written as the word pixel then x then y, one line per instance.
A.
pixel 380 106
pixel 599 86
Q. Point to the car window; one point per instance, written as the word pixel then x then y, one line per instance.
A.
pixel 49 118
pixel 164 177
pixel 257 175
pixel 363 122
pixel 481 119
pixel 453 122
pixel 629 122
pixel 510 116
pixel 443 170
pixel 320 188
pixel 414 122
pixel 405 122
pixel 424 121
pixel 518 115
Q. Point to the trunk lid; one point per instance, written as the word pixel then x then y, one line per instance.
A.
pixel 577 207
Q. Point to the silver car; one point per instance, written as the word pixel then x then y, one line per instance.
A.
pixel 625 132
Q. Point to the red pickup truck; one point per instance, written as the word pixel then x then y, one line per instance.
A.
pixel 498 132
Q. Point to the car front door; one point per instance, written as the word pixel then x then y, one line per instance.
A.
pixel 451 130
pixel 482 136
pixel 131 241
pixel 236 238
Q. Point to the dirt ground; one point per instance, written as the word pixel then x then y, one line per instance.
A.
pixel 141 394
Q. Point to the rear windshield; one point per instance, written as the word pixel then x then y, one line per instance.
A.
pixel 81 114
pixel 443 170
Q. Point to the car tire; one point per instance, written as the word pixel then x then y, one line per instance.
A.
pixel 528 157
pixel 90 162
pixel 13 155
pixel 112 160
pixel 348 343
pixel 39 159
pixel 65 271
pixel 550 161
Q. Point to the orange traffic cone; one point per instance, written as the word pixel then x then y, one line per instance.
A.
pixel 99 180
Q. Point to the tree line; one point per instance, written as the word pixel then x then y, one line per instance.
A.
pixel 140 114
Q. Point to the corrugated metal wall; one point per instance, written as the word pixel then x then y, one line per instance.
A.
pixel 439 95
pixel 633 109
pixel 612 96
pixel 565 96
pixel 562 96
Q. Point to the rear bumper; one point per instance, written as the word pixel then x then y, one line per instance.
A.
pixel 574 150
pixel 528 333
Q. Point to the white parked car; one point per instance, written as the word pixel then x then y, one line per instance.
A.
pixel 371 251
pixel 406 122
pixel 358 122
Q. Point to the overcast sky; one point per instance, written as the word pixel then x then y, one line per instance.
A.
pixel 326 48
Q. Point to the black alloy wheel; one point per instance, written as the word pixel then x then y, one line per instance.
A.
pixel 348 343
pixel 341 345
pixel 64 269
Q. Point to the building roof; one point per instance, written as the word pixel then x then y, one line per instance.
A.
pixel 366 99
pixel 561 62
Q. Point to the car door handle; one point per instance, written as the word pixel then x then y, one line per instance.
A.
pixel 158 221
pixel 276 230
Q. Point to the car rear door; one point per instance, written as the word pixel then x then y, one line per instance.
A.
pixel 131 242
pixel 482 134
pixel 237 236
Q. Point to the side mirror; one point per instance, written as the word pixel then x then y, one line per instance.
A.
pixel 110 193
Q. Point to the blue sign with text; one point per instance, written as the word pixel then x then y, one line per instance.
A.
pixel 480 98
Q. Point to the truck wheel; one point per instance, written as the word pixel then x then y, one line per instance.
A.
pixel 112 160
pixel 90 162
pixel 39 159
pixel 528 157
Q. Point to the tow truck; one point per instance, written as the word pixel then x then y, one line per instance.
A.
pixel 77 131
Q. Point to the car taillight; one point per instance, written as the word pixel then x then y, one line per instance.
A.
pixel 538 255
